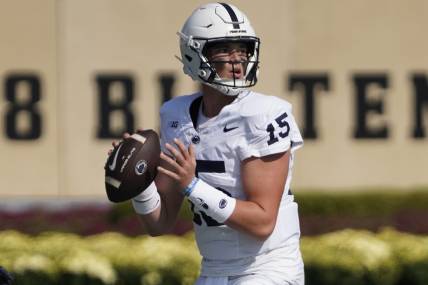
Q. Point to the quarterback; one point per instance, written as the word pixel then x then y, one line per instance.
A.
pixel 230 152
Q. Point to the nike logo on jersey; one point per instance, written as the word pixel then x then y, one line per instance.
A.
pixel 225 129
pixel 112 166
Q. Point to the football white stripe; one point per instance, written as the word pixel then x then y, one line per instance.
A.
pixel 139 138
pixel 112 181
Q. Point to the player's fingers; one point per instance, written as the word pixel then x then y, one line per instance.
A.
pixel 126 135
pixel 170 161
pixel 178 156
pixel 109 152
pixel 182 149
pixel 168 173
pixel 191 152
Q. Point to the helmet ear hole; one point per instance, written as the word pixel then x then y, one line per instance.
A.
pixel 188 57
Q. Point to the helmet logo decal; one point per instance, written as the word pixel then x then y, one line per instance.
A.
pixel 232 15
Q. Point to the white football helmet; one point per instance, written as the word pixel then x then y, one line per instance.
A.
pixel 213 23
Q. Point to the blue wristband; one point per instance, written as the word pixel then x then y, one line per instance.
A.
pixel 186 192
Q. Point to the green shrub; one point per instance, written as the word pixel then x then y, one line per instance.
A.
pixel 345 257
pixel 361 257
pixel 353 257
pixel 375 202
pixel 411 252
pixel 111 258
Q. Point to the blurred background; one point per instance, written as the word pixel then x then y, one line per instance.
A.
pixel 76 74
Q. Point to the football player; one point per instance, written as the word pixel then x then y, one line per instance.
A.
pixel 230 152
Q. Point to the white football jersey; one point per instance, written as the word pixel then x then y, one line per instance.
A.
pixel 252 125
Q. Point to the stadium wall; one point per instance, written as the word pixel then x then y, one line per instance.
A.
pixel 74 74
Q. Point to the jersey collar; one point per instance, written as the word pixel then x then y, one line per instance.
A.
pixel 194 109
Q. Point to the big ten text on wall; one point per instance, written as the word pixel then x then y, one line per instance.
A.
pixel 23 93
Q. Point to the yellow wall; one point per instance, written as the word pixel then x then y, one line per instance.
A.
pixel 67 43
pixel 28 44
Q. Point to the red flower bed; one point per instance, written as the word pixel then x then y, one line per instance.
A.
pixel 92 219
pixel 82 220
pixel 412 221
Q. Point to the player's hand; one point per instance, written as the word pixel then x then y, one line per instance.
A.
pixel 116 143
pixel 182 164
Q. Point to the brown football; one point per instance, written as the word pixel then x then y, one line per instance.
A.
pixel 132 166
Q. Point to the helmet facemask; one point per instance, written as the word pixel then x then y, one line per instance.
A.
pixel 246 67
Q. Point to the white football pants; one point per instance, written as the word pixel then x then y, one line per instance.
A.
pixel 251 279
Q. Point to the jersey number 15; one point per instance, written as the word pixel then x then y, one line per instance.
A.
pixel 283 124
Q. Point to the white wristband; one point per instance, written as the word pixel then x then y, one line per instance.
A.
pixel 212 201
pixel 147 201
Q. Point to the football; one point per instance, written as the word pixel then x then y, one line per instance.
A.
pixel 132 166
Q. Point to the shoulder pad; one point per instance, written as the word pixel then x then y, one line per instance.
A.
pixel 178 104
pixel 257 104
